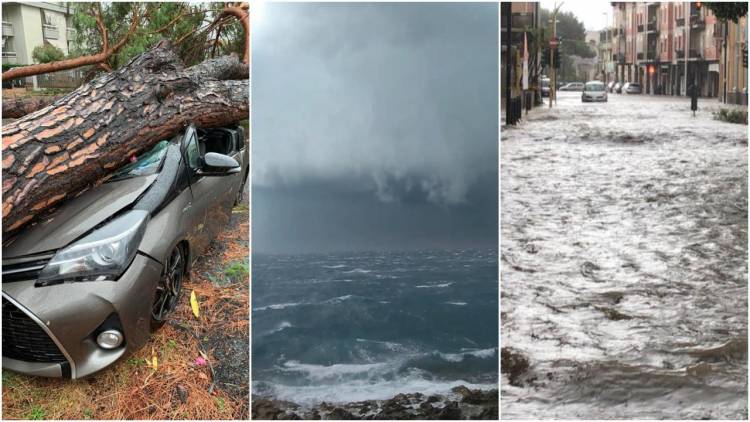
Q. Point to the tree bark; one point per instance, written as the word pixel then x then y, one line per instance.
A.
pixel 17 107
pixel 62 149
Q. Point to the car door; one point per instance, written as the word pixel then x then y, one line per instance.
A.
pixel 201 188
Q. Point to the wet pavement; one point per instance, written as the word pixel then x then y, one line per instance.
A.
pixel 624 262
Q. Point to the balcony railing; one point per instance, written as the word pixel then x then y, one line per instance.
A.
pixel 50 32
pixel 7 29
pixel 680 54
pixel 652 26
pixel 9 57
pixel 651 55
pixel 680 21
pixel 640 28
pixel 639 56
pixel 694 54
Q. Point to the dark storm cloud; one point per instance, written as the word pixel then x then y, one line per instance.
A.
pixel 387 107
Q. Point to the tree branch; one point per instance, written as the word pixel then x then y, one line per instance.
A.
pixel 38 69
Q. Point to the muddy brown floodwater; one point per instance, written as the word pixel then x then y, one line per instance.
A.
pixel 624 262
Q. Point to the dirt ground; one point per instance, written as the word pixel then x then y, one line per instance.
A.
pixel 180 387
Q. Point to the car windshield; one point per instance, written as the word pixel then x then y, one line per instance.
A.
pixel 594 87
pixel 634 86
pixel 545 83
pixel 143 165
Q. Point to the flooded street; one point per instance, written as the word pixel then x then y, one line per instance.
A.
pixel 624 262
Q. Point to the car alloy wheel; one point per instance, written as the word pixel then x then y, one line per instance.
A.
pixel 169 288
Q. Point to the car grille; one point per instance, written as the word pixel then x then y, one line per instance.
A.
pixel 26 268
pixel 25 340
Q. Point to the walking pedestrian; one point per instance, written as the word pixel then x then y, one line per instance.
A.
pixel 693 91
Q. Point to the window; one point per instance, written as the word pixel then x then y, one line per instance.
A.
pixel 47 18
pixel 144 165
pixel 193 152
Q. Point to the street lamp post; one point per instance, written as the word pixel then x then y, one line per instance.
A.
pixel 606 42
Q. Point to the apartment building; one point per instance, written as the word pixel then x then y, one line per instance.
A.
pixel 733 63
pixel 524 22
pixel 26 25
pixel 667 46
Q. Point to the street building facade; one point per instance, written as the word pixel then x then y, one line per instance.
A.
pixel 525 28
pixel 668 47
pixel 27 25
pixel 733 63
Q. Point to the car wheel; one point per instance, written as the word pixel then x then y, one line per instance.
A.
pixel 167 294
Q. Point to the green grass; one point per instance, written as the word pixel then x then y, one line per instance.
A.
pixel 731 116
pixel 220 404
pixel 241 207
pixel 10 379
pixel 237 271
pixel 36 413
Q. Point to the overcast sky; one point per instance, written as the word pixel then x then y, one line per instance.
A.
pixel 374 126
pixel 591 13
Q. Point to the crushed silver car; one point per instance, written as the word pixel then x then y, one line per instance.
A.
pixel 89 283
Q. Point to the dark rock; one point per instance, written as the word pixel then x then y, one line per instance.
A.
pixel 450 411
pixel 339 414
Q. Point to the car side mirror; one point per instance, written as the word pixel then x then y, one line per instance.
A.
pixel 215 164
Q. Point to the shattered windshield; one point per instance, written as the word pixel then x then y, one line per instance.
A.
pixel 144 165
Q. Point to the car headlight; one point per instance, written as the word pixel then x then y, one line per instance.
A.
pixel 104 254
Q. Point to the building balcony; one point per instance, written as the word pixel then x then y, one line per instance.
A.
pixel 640 28
pixel 680 54
pixel 651 26
pixel 9 57
pixel 8 29
pixel 50 32
pixel 639 56
pixel 680 22
pixel 694 54
pixel 651 55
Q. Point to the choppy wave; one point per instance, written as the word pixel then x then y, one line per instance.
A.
pixel 358 271
pixel 277 306
pixel 281 327
pixel 477 353
pixel 361 390
pixel 435 286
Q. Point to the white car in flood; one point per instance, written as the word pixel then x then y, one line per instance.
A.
pixel 594 91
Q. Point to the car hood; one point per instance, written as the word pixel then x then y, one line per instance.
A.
pixel 76 217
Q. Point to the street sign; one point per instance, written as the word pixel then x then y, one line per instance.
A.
pixel 553 42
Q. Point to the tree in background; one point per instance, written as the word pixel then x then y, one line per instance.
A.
pixel 725 11
pixel 46 53
pixel 108 35
pixel 572 35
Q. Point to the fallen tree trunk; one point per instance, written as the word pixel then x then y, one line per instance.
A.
pixel 62 149
pixel 17 107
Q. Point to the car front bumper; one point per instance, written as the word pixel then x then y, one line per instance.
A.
pixel 72 314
